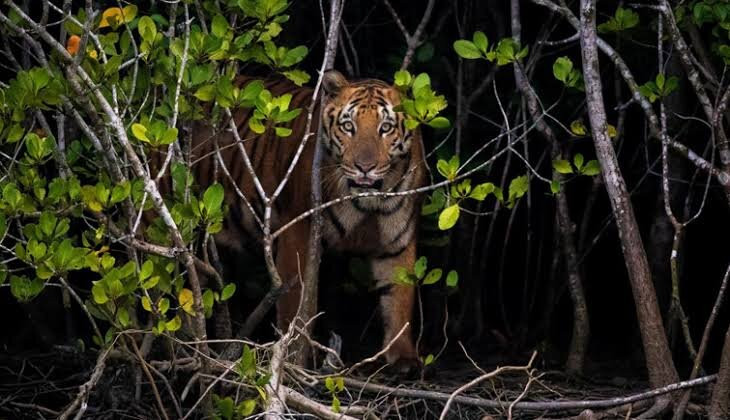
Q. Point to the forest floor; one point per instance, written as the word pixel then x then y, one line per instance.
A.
pixel 40 386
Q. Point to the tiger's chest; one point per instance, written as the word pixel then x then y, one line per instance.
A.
pixel 348 228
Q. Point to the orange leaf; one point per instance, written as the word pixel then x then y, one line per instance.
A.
pixel 111 16
pixel 72 45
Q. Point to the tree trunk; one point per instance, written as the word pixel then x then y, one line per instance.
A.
pixel 656 350
pixel 720 403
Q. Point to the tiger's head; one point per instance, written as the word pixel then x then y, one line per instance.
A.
pixel 364 135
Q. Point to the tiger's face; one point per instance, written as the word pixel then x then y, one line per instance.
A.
pixel 364 135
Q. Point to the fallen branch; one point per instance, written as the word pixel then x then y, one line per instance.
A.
pixel 529 405
pixel 483 378
pixel 81 400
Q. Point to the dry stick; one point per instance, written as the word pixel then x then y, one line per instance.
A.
pixel 483 378
pixel 522 395
pixel 85 388
pixel 310 283
pixel 304 404
pixel 415 39
pixel 581 324
pixel 676 311
pixel 143 364
pixel 682 405
pixel 529 405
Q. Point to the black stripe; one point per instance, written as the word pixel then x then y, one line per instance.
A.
pixel 383 290
pixel 335 221
pixel 403 231
pixel 393 254
pixel 381 212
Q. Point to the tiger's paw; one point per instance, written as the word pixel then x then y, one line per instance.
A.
pixel 406 367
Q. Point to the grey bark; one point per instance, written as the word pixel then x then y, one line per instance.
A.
pixel 656 349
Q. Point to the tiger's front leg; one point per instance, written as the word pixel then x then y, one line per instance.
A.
pixel 396 305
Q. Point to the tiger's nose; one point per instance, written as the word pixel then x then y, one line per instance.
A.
pixel 366 166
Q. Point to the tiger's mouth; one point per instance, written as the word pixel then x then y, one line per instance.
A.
pixel 365 183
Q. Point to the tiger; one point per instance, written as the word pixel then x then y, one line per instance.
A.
pixel 366 147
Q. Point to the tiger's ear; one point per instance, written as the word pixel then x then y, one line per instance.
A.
pixel 333 81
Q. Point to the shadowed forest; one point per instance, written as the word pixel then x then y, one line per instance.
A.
pixel 351 209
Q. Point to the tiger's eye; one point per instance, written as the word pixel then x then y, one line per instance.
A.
pixel 348 126
pixel 386 127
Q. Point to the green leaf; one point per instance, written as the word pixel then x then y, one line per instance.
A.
pixel 402 78
pixel 163 305
pixel 592 168
pixel 329 383
pixel 140 132
pixel 622 20
pixel 174 324
pixel 562 166
pixel 299 77
pixel 246 408
pixel 99 294
pixel 225 407
pixel 467 49
pixel 555 186
pixel 518 187
pixel 15 133
pixel 283 131
pixel 481 191
pixel 213 197
pixel 147 28
pixel 123 317
pixel 429 359
pixel 439 123
pixel 401 276
pixel 421 81
pixel 294 56
pixel 660 81
pixel 146 304
pixel 205 93
pixel 169 136
pixel 120 192
pixel 433 276
pixel 448 217
pixel 562 68
pixel 419 268
pixel 256 126
pixel 336 404
pixel 577 128
pixel 228 291
pixel 452 279
pixel 219 26
pixel 25 289
pixel 480 41
pixel 578 160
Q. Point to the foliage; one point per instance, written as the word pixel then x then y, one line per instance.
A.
pixel 623 19
pixel 660 87
pixel 563 70
pixel 334 385
pixel 505 52
pixel 421 104
pixel 55 227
